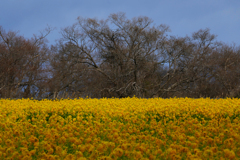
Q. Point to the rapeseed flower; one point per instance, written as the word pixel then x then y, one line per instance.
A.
pixel 136 128
pixel 137 155
pixel 208 153
pixel 105 158
pixel 229 154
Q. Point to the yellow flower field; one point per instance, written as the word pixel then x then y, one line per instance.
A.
pixel 130 128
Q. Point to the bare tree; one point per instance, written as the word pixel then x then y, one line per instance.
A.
pixel 126 57
pixel 21 67
pixel 118 57
pixel 67 73
pixel 226 71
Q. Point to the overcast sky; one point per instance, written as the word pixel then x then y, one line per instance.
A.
pixel 183 17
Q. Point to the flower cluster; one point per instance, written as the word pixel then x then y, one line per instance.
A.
pixel 130 128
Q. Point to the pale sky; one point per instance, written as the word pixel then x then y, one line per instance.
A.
pixel 183 17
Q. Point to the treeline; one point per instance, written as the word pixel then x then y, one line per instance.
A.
pixel 118 57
